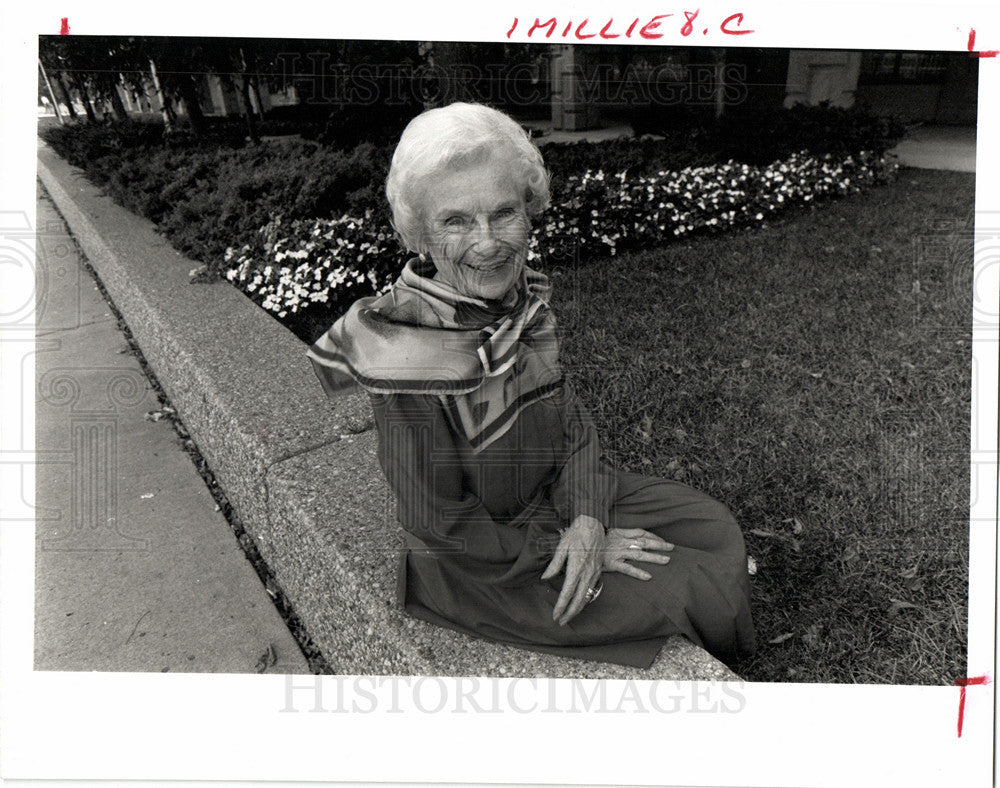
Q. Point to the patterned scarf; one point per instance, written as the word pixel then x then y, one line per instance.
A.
pixel 486 361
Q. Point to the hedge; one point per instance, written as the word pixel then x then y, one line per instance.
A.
pixel 235 207
pixel 293 265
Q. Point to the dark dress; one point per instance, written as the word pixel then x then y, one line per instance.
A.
pixel 482 527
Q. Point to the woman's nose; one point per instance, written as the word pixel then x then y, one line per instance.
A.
pixel 483 235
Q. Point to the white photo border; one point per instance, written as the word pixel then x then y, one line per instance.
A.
pixel 242 727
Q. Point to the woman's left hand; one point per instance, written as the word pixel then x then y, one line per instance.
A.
pixel 581 550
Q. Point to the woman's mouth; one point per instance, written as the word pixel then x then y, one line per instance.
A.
pixel 488 268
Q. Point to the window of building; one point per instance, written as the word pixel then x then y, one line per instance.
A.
pixel 905 67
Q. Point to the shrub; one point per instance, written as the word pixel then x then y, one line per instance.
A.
pixel 380 124
pixel 205 198
pixel 234 207
pixel 84 144
pixel 637 157
pixel 292 266
pixel 759 135
pixel 251 186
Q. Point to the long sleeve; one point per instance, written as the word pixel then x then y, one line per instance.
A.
pixel 423 466
pixel 586 484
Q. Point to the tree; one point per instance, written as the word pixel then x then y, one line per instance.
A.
pixel 92 66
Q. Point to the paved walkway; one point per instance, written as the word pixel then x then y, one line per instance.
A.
pixel 925 147
pixel 939 148
pixel 134 566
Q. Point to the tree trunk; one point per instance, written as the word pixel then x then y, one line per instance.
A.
pixel 116 100
pixel 52 93
pixel 168 115
pixel 85 98
pixel 61 82
pixel 719 61
pixel 256 94
pixel 245 95
pixel 248 110
pixel 190 95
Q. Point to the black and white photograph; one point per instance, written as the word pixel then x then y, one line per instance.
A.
pixel 585 373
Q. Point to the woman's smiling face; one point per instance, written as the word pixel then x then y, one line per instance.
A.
pixel 476 227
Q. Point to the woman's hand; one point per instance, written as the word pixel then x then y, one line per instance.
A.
pixel 633 544
pixel 586 552
pixel 581 549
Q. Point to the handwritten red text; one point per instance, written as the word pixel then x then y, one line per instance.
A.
pixel 649 28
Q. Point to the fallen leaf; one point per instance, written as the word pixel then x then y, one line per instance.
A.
pixel 850 554
pixel 147 495
pixel 751 565
pixel 267 659
pixel 899 605
pixel 763 533
pixel 816 375
pixel 915 584
pixel 745 363
pixel 906 574
pixel 200 274
pixel 796 524
pixel 781 638
pixel 811 636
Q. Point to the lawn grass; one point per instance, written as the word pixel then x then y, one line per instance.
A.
pixel 815 376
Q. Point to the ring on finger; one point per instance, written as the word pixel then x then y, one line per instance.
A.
pixel 594 591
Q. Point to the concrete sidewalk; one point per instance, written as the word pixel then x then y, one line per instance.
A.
pixel 926 147
pixel 136 570
pixel 939 148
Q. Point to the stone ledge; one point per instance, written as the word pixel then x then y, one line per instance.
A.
pixel 339 546
pixel 248 396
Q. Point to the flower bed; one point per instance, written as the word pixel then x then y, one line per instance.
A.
pixel 333 261
pixel 306 262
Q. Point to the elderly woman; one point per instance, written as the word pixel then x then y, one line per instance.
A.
pixel 517 530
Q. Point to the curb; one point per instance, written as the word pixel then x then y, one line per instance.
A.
pixel 299 469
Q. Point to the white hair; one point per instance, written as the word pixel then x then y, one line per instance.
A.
pixel 451 135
